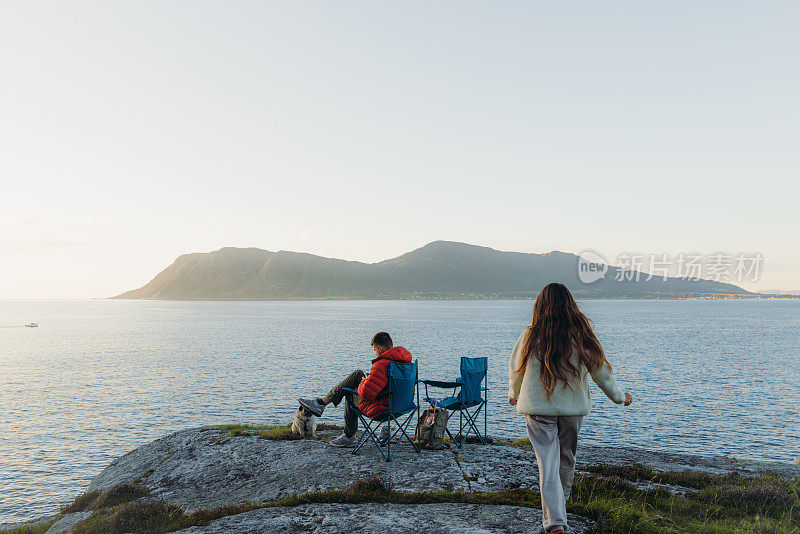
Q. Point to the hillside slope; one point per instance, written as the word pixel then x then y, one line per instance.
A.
pixel 442 269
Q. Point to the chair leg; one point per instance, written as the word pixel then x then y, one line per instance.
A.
pixel 364 436
pixel 472 417
pixel 389 441
pixel 403 427
pixel 417 446
pixel 471 424
pixel 369 432
pixel 451 435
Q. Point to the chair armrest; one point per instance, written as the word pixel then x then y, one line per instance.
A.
pixel 350 390
pixel 440 384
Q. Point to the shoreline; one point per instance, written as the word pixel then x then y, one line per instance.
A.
pixel 532 297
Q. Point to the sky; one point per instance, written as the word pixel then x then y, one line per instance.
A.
pixel 133 132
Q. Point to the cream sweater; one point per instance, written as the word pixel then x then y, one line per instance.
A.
pixel 531 396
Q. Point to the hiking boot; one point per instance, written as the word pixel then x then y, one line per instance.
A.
pixel 313 405
pixel 344 441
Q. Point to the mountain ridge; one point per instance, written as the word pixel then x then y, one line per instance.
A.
pixel 440 269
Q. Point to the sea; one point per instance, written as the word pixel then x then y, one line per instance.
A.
pixel 98 378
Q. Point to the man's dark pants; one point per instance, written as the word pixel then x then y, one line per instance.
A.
pixel 351 400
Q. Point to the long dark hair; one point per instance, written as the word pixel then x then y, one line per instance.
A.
pixel 557 326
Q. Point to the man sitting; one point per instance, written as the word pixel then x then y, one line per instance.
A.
pixel 369 399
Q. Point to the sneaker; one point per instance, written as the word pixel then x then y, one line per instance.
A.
pixel 383 439
pixel 343 441
pixel 313 405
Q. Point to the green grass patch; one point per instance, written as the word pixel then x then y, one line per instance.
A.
pixel 157 518
pixel 147 473
pixel 474 440
pixel 38 528
pixel 689 479
pixel 149 517
pixel 524 443
pixel 726 504
pixel 272 432
pixel 94 500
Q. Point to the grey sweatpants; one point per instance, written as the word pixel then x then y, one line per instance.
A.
pixel 554 439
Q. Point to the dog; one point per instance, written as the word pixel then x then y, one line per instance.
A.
pixel 304 424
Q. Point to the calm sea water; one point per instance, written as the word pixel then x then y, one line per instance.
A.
pixel 98 378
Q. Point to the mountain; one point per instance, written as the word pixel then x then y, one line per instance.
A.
pixel 781 292
pixel 442 269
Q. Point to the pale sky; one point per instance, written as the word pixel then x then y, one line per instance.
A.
pixel 133 132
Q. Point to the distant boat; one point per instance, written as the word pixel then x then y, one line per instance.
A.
pixel 32 325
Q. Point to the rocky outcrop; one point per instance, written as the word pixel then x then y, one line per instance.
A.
pixel 194 469
pixel 384 518
pixel 183 468
pixel 210 469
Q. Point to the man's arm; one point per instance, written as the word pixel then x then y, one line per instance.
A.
pixel 375 382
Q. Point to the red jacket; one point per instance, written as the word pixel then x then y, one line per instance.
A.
pixel 378 380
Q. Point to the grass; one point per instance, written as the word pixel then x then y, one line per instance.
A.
pixel 150 517
pixel 95 500
pixel 272 432
pixel 689 479
pixel 91 500
pixel 728 504
pixel 473 439
pixel 524 443
pixel 157 518
pixel 147 473
pixel 38 528
pixel 720 504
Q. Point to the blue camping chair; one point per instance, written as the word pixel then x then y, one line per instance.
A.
pixel 472 384
pixel 403 386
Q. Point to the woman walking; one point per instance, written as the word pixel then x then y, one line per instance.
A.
pixel 548 383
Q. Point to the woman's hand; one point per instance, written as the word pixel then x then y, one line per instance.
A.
pixel 628 399
pixel 512 402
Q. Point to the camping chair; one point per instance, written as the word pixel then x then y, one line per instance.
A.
pixel 472 384
pixel 402 385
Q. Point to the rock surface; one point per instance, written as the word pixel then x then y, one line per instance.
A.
pixel 194 470
pixel 199 468
pixel 384 518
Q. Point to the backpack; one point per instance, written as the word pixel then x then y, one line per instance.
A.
pixel 432 428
